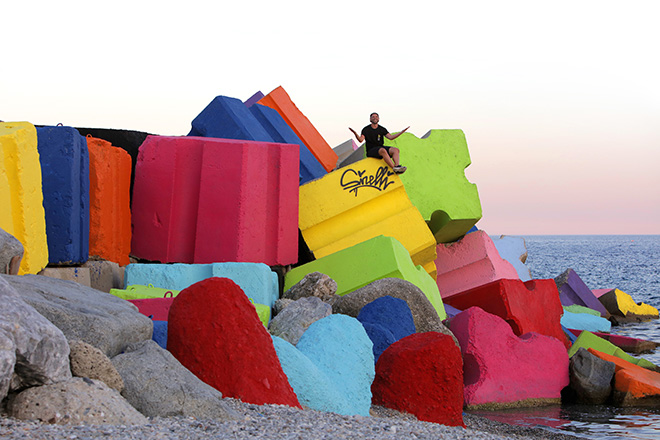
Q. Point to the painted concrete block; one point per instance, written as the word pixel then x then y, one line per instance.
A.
pixel 514 250
pixel 139 291
pixel 159 335
pixel 65 180
pixel 79 275
pixel 206 200
pixel 228 118
pixel 109 201
pixel 254 99
pixel 155 308
pixel 588 340
pixel 22 214
pixel 532 306
pixel 633 385
pixel 600 292
pixel 356 156
pixel 501 369
pixel 585 321
pixel 625 343
pixel 572 290
pixel 344 150
pixel 470 262
pixel 379 257
pixel 279 131
pixel 436 182
pixel 258 282
pixel 619 303
pixel 356 203
pixel 279 100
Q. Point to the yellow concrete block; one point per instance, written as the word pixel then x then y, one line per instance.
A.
pixel 359 202
pixel 625 305
pixel 21 199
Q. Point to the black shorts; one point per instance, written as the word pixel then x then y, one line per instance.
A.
pixel 373 152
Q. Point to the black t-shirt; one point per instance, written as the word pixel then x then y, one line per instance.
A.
pixel 374 137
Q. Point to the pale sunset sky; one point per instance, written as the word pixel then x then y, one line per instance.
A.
pixel 559 101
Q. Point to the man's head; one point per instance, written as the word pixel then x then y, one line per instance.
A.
pixel 374 118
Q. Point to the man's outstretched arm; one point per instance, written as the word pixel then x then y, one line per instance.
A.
pixel 359 137
pixel 391 136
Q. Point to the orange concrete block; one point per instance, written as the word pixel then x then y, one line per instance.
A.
pixel 634 384
pixel 279 100
pixel 109 201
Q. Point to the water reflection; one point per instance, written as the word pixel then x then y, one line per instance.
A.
pixel 585 421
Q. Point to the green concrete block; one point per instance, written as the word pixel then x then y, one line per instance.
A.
pixel 588 340
pixel 436 184
pixel 366 262
pixel 138 291
pixel 574 308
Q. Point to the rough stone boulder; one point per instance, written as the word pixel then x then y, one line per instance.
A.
pixel 32 350
pixel 157 385
pixel 82 313
pixel 294 320
pixel 332 368
pixel 11 253
pixel 503 370
pixel 314 284
pixel 386 320
pixel 422 374
pixel 90 362
pixel 76 401
pixel 213 331
pixel 590 377
pixel 425 316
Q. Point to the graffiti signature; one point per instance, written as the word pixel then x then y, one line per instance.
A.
pixel 352 180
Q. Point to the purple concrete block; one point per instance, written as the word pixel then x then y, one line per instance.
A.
pixel 254 99
pixel 572 290
pixel 451 311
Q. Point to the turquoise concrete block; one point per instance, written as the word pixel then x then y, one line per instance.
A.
pixel 256 279
pixel 584 321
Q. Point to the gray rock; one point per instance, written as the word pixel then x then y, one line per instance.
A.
pixel 280 304
pixel 314 284
pixel 77 401
pixel 11 253
pixel 590 377
pixel 291 323
pixel 90 362
pixel 82 313
pixel 41 352
pixel 424 314
pixel 159 386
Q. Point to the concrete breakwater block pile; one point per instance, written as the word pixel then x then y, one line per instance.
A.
pixel 401 301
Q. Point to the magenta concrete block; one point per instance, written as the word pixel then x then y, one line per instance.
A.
pixel 572 290
pixel 155 308
pixel 470 262
pixel 208 200
pixel 501 369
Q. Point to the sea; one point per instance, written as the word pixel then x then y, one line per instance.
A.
pixel 630 263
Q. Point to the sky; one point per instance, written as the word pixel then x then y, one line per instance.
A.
pixel 559 101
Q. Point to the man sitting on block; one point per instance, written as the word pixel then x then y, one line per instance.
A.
pixel 374 133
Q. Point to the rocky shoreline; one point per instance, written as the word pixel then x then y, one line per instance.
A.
pixel 277 422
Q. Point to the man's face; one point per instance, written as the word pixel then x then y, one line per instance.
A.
pixel 374 118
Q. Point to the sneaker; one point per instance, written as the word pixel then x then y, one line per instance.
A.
pixel 399 169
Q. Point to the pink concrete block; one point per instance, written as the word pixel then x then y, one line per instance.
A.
pixel 600 292
pixel 209 200
pixel 502 369
pixel 470 262
pixel 156 308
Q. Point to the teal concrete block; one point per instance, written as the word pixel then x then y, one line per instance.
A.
pixel 256 279
pixel 585 321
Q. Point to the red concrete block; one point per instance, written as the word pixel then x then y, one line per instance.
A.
pixel 208 200
pixel 109 201
pixel 470 262
pixel 422 374
pixel 532 306
pixel 157 309
pixel 213 331
pixel 279 100
pixel 501 369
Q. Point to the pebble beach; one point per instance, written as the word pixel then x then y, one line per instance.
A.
pixel 276 422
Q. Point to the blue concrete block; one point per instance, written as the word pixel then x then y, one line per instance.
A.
pixel 256 279
pixel 65 181
pixel 514 250
pixel 386 320
pixel 228 118
pixel 472 229
pixel 585 321
pixel 569 334
pixel 279 130
pixel 160 333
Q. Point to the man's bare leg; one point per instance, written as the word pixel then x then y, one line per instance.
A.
pixel 386 157
pixel 395 156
